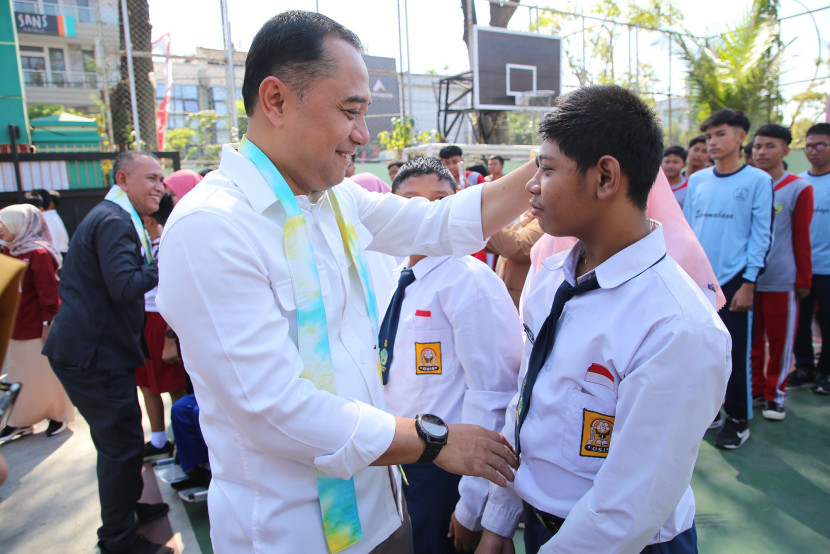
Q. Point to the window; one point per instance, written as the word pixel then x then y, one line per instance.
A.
pixel 57 65
pixel 34 70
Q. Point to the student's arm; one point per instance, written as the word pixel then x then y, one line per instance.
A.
pixel 802 250
pixel 663 411
pixel 488 346
pixel 504 200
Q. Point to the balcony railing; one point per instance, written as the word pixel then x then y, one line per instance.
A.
pixel 60 79
pixel 83 14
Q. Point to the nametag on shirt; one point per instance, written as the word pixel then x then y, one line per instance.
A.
pixel 596 434
pixel 428 358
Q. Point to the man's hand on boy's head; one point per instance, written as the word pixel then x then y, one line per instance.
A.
pixel 473 450
pixel 742 301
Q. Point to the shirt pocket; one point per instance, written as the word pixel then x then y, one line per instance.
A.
pixel 434 348
pixel 589 427
pixel 284 290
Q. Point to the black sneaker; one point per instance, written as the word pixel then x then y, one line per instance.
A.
pixel 758 401
pixel 151 451
pixel 734 434
pixel 55 428
pixel 196 477
pixel 147 513
pixel 774 411
pixel 717 423
pixel 822 385
pixel 142 546
pixel 8 433
pixel 801 378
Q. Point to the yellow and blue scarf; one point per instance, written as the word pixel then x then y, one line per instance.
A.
pixel 117 195
pixel 338 499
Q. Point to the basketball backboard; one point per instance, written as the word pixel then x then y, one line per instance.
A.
pixel 513 70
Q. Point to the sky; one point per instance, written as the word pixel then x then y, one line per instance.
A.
pixel 435 29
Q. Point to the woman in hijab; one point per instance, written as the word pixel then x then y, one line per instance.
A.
pixel 181 182
pixel 25 236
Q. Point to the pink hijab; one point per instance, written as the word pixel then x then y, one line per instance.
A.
pixel 30 231
pixel 182 181
pixel 371 182
pixel 681 242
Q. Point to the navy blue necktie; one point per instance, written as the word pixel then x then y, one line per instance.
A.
pixel 543 346
pixel 389 327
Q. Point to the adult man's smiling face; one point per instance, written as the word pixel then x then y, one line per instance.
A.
pixel 141 178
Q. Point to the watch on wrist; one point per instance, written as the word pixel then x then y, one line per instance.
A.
pixel 434 432
pixel 170 334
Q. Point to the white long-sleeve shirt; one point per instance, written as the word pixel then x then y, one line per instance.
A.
pixel 461 311
pixel 225 288
pixel 641 363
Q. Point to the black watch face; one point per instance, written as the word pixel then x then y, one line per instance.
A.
pixel 433 425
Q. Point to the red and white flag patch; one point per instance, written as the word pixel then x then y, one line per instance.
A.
pixel 601 376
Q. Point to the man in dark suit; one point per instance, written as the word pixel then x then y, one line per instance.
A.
pixel 95 342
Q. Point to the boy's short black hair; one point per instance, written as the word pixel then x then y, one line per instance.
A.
pixel 165 207
pixel 449 151
pixel 33 198
pixel 775 131
pixel 819 129
pixel 700 139
pixel 479 168
pixel 46 197
pixel 290 46
pixel 748 150
pixel 726 116
pixel 601 120
pixel 495 157
pixel 677 150
pixel 55 196
pixel 425 165
pixel 396 163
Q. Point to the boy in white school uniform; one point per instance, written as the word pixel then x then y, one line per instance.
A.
pixel 610 415
pixel 455 353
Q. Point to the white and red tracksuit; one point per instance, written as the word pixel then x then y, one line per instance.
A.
pixel 789 266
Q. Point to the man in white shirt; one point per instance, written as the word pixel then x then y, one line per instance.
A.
pixel 456 355
pixel 621 378
pixel 297 449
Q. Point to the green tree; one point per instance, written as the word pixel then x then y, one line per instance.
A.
pixel 739 69
pixel 42 110
pixel 401 135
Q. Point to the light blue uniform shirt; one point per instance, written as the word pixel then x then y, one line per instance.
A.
pixel 820 228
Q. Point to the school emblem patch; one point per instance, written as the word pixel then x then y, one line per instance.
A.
pixel 596 434
pixel 428 358
pixel 779 207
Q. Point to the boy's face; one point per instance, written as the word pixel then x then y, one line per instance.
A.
pixel 698 155
pixel 672 165
pixel 428 186
pixel 816 157
pixel 495 166
pixel 560 192
pixel 451 163
pixel 768 152
pixel 724 140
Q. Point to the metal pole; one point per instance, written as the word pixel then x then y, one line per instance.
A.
pixel 14 132
pixel 408 63
pixel 400 61
pixel 129 48
pixel 101 61
pixel 670 117
pixel 231 82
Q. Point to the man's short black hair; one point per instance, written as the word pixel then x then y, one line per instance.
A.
pixel 46 197
pixel 601 120
pixel 775 131
pixel 33 198
pixel 396 163
pixel 479 168
pixel 700 139
pixel 819 129
pixel 425 165
pixel 125 159
pixel 726 116
pixel 290 46
pixel 677 150
pixel 449 151
pixel 499 158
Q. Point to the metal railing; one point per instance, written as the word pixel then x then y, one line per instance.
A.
pixel 60 79
pixel 83 14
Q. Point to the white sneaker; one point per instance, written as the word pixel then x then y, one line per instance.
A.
pixel 8 433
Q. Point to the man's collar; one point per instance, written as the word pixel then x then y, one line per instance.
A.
pixel 425 265
pixel 622 266
pixel 246 176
